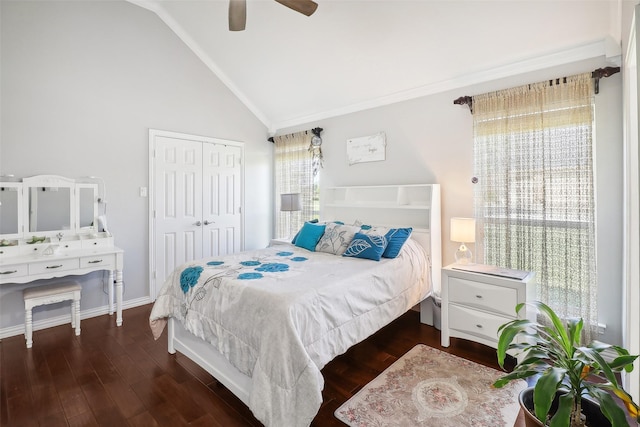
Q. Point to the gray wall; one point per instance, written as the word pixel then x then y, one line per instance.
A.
pixel 82 82
pixel 430 140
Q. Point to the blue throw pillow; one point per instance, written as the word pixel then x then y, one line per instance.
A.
pixel 396 238
pixel 313 221
pixel 369 246
pixel 310 235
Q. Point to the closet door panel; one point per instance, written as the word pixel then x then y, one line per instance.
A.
pixel 178 204
pixel 222 198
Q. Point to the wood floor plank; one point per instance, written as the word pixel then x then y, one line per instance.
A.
pixel 45 398
pixel 86 419
pixel 74 403
pixel 143 420
pixel 125 398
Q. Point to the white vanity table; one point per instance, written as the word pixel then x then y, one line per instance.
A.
pixel 49 228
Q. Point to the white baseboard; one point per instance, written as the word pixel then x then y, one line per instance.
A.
pixel 12 331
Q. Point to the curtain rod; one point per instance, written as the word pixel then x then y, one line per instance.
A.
pixel 595 74
pixel 315 131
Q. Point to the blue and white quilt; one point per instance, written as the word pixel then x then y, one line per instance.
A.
pixel 280 314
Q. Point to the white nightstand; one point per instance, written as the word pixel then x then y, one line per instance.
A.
pixel 475 305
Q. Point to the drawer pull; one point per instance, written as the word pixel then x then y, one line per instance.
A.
pixel 97 261
pixel 9 272
pixel 479 326
pixel 479 296
pixel 54 266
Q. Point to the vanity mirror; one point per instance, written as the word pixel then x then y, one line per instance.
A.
pixel 10 209
pixel 47 206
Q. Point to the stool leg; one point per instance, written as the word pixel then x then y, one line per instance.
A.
pixel 28 325
pixel 76 306
pixel 73 314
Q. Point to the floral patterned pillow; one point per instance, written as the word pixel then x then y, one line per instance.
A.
pixel 336 238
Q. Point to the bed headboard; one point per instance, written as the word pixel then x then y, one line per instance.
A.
pixel 411 205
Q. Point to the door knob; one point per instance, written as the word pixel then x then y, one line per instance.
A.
pixel 198 223
pixel 207 222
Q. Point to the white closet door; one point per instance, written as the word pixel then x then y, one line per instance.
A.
pixel 222 195
pixel 196 190
pixel 178 203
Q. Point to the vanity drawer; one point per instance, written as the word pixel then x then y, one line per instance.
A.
pixel 97 243
pixel 53 266
pixel 498 299
pixel 9 271
pixel 478 323
pixel 70 245
pixel 96 261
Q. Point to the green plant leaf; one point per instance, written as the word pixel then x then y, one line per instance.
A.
pixel 545 391
pixel 610 409
pixel 599 346
pixel 574 326
pixel 622 362
pixel 508 332
pixel 559 330
pixel 562 417
pixel 504 380
pixel 602 365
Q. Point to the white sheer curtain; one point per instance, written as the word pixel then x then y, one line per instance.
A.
pixel 294 174
pixel 535 193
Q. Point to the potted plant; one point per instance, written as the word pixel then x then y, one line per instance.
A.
pixel 570 374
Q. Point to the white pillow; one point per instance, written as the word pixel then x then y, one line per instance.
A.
pixel 336 238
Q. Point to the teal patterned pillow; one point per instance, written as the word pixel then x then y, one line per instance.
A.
pixel 368 246
pixel 396 238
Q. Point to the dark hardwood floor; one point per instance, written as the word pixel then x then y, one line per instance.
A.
pixel 113 376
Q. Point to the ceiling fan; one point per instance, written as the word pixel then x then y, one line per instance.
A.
pixel 238 11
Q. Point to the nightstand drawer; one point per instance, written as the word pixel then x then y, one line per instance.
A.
pixel 478 323
pixel 497 299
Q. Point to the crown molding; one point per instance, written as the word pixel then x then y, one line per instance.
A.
pixel 606 47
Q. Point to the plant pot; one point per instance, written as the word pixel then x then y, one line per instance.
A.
pixel 590 409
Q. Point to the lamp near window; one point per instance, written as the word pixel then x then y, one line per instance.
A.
pixel 290 202
pixel 463 230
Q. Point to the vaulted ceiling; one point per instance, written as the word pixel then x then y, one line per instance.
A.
pixel 352 55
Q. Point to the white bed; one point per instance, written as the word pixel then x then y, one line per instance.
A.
pixel 304 308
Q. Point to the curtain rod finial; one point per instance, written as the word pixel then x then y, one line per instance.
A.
pixel 465 100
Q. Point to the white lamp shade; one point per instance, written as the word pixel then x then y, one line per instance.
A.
pixel 463 230
pixel 290 202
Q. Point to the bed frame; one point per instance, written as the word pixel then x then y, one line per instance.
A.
pixel 417 206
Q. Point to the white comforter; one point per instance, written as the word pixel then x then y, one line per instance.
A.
pixel 280 314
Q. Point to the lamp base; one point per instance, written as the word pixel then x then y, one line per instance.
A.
pixel 463 255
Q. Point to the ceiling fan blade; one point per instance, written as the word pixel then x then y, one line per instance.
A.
pixel 237 15
pixel 306 7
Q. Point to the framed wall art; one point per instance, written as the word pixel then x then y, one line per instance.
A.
pixel 366 149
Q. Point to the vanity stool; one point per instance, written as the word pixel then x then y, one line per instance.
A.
pixel 41 295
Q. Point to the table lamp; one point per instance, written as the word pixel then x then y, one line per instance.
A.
pixel 290 202
pixel 463 230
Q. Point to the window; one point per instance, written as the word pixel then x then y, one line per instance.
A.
pixel 535 193
pixel 294 173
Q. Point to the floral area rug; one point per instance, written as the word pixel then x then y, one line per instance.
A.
pixel 428 387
